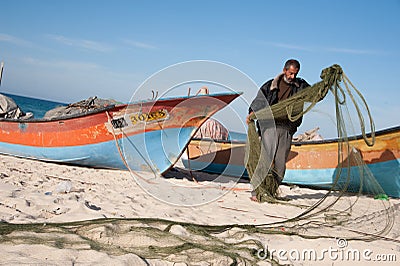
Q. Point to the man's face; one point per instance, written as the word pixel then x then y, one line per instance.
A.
pixel 290 73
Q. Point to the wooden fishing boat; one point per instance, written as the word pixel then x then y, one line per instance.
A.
pixel 147 135
pixel 313 163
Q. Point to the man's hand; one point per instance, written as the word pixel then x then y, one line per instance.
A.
pixel 248 120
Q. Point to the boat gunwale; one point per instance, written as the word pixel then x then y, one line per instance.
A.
pixel 118 106
pixel 67 117
pixel 310 142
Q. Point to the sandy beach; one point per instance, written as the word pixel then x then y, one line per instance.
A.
pixel 69 215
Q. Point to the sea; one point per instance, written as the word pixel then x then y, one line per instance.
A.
pixel 34 105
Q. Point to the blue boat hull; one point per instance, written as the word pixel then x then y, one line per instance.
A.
pixel 139 152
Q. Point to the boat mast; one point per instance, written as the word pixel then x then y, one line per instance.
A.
pixel 1 70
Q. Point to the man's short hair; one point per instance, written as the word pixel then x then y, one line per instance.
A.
pixel 292 62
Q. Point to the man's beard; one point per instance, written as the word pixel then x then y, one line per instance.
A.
pixel 286 80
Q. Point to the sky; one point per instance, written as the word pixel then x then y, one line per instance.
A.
pixel 70 50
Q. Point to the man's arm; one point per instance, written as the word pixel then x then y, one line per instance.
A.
pixel 262 99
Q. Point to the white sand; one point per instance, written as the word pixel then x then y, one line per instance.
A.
pixel 31 192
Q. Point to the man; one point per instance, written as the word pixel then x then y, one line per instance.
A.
pixel 276 134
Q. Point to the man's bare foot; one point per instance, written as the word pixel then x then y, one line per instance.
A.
pixel 269 199
pixel 264 198
pixel 254 198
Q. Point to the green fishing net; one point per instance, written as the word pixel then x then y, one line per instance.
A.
pixel 263 178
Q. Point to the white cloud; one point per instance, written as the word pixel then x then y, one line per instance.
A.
pixel 289 46
pixel 14 40
pixel 140 45
pixel 81 43
pixel 60 64
pixel 323 49
pixel 352 51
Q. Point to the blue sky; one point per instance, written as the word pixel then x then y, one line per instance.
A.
pixel 70 50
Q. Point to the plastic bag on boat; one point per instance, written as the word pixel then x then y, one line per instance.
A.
pixel 212 129
pixel 9 109
pixel 80 107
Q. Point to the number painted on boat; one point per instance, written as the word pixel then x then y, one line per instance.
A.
pixel 119 123
pixel 149 117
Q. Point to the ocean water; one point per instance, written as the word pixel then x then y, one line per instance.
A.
pixel 237 136
pixel 37 106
